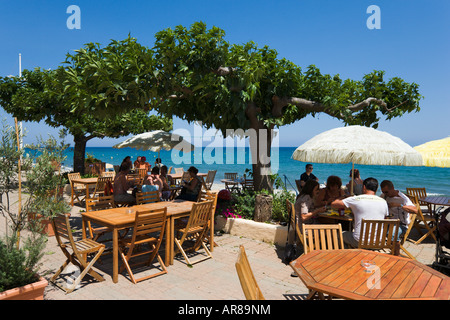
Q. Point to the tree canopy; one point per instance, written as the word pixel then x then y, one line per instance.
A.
pixel 195 74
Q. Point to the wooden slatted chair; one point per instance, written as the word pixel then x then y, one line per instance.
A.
pixel 148 229
pixel 321 237
pixel 247 185
pixel 147 197
pixel 295 226
pixel 231 176
pixel 95 204
pixel 404 237
pixel 100 186
pixel 170 170
pixel 142 173
pixel 420 193
pixel 247 278
pixel 78 189
pixel 299 187
pixel 179 170
pixel 210 196
pixel 379 234
pixel 195 230
pixel 80 249
pixel 111 174
pixel 210 179
pixel 423 221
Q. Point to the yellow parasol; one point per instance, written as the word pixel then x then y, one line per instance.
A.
pixel 435 153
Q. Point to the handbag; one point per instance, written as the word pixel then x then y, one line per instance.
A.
pixel 290 250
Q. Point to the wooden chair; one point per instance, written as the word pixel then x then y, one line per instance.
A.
pixel 170 170
pixel 80 249
pixel 210 196
pixel 420 193
pixel 423 221
pixel 100 186
pixel 78 189
pixel 179 170
pixel 379 234
pixel 148 229
pixel 322 237
pixel 116 168
pixel 412 217
pixel 95 204
pixel 210 179
pixel 195 230
pixel 147 197
pixel 111 174
pixel 247 278
pixel 247 185
pixel 142 173
pixel 231 176
pixel 291 211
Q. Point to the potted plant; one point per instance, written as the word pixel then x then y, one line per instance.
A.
pixel 44 185
pixel 21 247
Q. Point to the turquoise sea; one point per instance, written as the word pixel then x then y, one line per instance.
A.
pixel 436 180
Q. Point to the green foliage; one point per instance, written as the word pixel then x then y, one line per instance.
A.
pixel 244 204
pixel 19 267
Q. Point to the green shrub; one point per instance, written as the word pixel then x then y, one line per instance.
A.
pixel 19 267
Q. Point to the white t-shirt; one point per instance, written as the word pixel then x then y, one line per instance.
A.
pixel 365 206
pixel 398 212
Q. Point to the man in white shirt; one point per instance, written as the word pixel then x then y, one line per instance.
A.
pixel 364 206
pixel 400 206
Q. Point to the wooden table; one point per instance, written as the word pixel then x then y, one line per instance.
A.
pixel 339 273
pixel 117 219
pixel 346 217
pixel 436 201
pixel 87 182
pixel 234 184
pixel 178 176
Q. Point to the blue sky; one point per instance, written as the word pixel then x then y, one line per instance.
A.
pixel 413 43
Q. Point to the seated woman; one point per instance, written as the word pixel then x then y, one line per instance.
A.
pixel 304 205
pixel 144 164
pixel 332 192
pixel 121 186
pixel 192 188
pixel 357 183
pixel 155 180
pixel 167 182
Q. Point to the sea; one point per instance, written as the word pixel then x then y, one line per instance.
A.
pixel 238 159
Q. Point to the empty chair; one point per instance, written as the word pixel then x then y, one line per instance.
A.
pixel 195 230
pixel 420 193
pixel 322 237
pixel 234 185
pixel 147 197
pixel 109 174
pixel 78 190
pixel 210 179
pixel 379 234
pixel 210 196
pixel 404 237
pixel 247 278
pixel 247 185
pixel 148 230
pixel 80 249
pixel 95 204
pixel 179 170
pixel 423 221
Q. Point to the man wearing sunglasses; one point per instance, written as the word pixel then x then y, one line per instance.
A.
pixel 307 175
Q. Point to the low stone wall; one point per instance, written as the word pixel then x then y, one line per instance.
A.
pixel 270 233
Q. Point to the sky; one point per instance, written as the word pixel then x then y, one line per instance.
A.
pixel 412 42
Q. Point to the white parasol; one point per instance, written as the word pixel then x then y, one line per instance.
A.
pixel 155 141
pixel 358 144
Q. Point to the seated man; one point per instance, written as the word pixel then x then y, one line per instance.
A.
pixel 121 185
pixel 155 180
pixel 365 206
pixel 307 175
pixel 400 206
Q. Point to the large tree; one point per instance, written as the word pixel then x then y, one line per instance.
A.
pixel 73 95
pixel 196 75
pixel 229 86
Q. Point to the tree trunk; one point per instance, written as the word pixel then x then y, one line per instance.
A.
pixel 260 145
pixel 79 153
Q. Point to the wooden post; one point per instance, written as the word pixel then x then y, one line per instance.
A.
pixel 19 210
